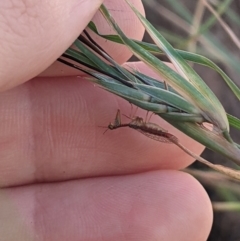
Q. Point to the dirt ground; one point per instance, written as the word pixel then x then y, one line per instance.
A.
pixel 226 224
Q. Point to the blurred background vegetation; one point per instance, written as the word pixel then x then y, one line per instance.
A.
pixel 192 26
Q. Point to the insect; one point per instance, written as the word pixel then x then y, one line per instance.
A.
pixel 148 129
pixel 157 133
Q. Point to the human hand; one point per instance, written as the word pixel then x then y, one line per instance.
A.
pixel 61 178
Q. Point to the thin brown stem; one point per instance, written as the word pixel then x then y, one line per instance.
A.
pixel 155 132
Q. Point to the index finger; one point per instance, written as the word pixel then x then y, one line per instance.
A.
pixel 50 132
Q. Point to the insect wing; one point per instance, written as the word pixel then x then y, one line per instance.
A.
pixel 155 137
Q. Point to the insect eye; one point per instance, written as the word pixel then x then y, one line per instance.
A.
pixel 110 127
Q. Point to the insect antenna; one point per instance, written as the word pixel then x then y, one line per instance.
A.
pixel 130 118
pixel 105 127
pixel 105 131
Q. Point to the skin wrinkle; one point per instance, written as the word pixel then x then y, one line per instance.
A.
pixel 110 47
pixel 41 132
pixel 24 14
pixel 104 199
pixel 55 122
pixel 29 44
pixel 15 136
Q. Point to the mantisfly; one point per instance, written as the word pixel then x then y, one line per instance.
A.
pixel 157 133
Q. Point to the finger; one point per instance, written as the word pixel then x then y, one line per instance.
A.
pixel 31 33
pixel 35 35
pixel 128 23
pixel 162 205
pixel 50 132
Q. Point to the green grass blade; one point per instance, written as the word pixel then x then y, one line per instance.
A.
pixel 208 100
pixel 199 59
pixel 195 58
pixel 96 60
pixel 143 100
pixel 169 98
pixel 234 121
pixel 79 56
pixel 181 10
pixel 176 80
pixel 209 139
pixel 152 96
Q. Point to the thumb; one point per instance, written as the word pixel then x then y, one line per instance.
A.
pixel 35 33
